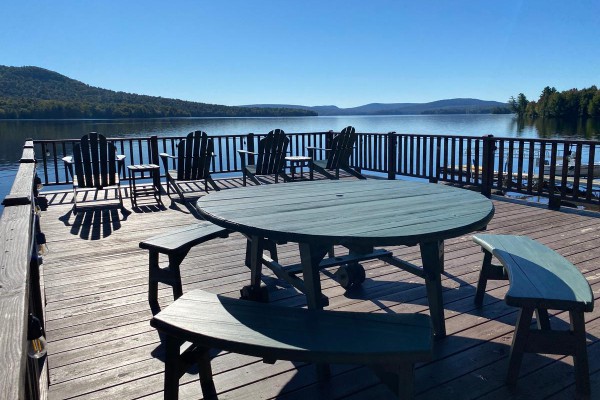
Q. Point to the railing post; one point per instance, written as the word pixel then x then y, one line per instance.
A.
pixel 251 148
pixel 487 165
pixel 328 142
pixel 392 147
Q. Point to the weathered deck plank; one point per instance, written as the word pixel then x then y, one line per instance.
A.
pixel 101 344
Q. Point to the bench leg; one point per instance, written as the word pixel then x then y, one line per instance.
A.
pixel 175 261
pixel 580 358
pixel 488 271
pixel 542 319
pixel 483 277
pixel 153 282
pixel 171 275
pixel 171 387
pixel 206 380
pixel 517 348
pixel 399 378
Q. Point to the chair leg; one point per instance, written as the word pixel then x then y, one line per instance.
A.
pixel 517 348
pixel 75 200
pixel 120 196
pixel 244 178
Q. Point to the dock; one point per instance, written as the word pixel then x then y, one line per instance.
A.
pixel 101 345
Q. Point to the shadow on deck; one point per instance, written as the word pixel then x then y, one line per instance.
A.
pixel 100 343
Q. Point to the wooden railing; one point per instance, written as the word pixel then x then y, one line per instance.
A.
pixel 561 170
pixel 20 292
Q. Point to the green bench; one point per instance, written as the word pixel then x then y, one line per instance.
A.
pixel 175 244
pixel 540 280
pixel 391 342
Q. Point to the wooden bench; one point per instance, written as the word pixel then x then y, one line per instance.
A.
pixel 175 244
pixel 392 341
pixel 540 279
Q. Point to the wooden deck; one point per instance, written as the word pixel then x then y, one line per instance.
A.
pixel 100 343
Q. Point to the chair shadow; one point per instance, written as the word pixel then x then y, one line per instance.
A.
pixel 95 223
pixel 148 208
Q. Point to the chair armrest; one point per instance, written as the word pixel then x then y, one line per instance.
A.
pixel 68 160
pixel 246 152
pixel 316 148
pixel 165 160
pixel 121 164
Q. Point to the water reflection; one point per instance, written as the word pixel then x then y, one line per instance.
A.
pixel 557 128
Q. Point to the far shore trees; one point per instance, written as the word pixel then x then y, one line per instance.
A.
pixel 572 103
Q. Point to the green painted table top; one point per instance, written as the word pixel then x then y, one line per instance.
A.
pixel 369 212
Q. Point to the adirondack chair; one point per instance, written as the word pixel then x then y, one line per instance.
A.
pixel 194 155
pixel 339 156
pixel 270 157
pixel 95 165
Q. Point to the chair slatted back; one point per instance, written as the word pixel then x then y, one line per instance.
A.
pixel 94 158
pixel 194 156
pixel 271 153
pixel 342 146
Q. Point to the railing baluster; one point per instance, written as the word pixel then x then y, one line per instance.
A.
pixel 520 165
pixel 542 167
pixel 530 166
pixel 577 172
pixel 590 177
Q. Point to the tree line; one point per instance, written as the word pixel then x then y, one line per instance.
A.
pixel 32 92
pixel 573 103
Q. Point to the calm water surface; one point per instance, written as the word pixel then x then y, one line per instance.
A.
pixel 14 133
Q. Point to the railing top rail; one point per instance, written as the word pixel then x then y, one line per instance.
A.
pixel 236 135
pixel 244 135
pixel 15 240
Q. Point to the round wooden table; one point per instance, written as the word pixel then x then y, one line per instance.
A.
pixel 356 214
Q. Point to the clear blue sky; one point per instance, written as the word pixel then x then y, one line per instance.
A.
pixel 347 52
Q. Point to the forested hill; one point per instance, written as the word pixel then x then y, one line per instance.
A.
pixel 448 106
pixel 32 92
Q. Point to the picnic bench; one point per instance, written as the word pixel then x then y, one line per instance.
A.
pixel 390 342
pixel 175 244
pixel 540 279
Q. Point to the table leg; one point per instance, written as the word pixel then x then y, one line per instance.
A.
pixel 310 258
pixel 255 291
pixel 432 256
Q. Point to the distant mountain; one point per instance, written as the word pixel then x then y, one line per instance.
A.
pixel 32 92
pixel 449 106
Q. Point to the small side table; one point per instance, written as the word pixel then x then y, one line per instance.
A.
pixel 153 190
pixel 297 161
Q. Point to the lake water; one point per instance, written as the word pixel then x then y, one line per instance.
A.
pixel 13 132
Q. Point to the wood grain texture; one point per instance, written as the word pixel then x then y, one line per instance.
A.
pixel 101 344
pixel 373 212
pixel 295 334
pixel 539 277
pixel 183 238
